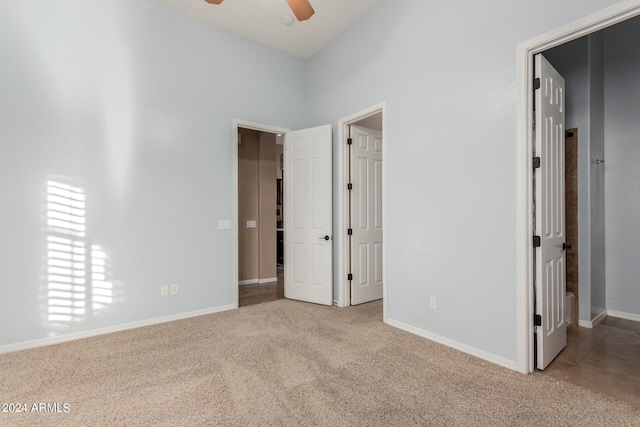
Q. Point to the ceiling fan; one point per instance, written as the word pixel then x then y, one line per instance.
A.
pixel 301 8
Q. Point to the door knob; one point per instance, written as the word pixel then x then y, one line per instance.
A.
pixel 565 246
pixel 325 238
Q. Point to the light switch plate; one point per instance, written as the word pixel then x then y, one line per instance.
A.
pixel 224 225
pixel 251 223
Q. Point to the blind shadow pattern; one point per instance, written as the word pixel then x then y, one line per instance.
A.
pixel 78 274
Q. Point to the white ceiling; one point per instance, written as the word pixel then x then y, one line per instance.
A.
pixel 261 20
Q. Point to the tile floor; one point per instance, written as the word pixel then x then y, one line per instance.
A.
pixel 258 293
pixel 605 359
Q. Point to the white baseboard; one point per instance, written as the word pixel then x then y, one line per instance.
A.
pixel 255 281
pixel 25 345
pixel 604 313
pixel 599 318
pixel 585 324
pixel 489 357
pixel 593 322
pixel 621 315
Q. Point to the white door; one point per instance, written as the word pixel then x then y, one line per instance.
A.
pixel 308 255
pixel 366 215
pixel 551 334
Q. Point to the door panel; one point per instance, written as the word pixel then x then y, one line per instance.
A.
pixel 366 215
pixel 551 335
pixel 308 268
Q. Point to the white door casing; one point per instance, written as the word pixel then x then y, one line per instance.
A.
pixel 308 257
pixel 366 215
pixel 550 285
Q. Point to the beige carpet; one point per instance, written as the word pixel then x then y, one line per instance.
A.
pixel 286 363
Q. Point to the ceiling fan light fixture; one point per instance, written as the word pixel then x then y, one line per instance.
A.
pixel 301 9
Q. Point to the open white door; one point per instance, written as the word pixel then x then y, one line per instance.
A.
pixel 366 215
pixel 308 258
pixel 551 333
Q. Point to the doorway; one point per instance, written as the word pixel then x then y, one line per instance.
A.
pixel 370 264
pixel 260 183
pixel 601 351
pixel 249 219
pixel 600 20
pixel 307 215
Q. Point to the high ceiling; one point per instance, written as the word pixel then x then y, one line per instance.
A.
pixel 262 20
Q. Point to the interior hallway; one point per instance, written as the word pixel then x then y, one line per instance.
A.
pixel 605 359
pixel 264 292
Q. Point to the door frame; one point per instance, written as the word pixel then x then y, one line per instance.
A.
pixel 238 123
pixel 524 153
pixel 342 242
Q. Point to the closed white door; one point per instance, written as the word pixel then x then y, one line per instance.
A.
pixel 551 333
pixel 366 215
pixel 308 257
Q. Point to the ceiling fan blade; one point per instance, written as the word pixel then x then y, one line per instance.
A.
pixel 214 1
pixel 301 8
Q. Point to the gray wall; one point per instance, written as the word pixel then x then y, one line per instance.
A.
pixel 596 172
pixel 134 103
pixel 622 155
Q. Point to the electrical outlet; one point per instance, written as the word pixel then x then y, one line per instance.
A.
pixel 174 289
pixel 433 303
pixel 164 290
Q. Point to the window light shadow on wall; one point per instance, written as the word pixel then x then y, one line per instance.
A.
pixel 79 279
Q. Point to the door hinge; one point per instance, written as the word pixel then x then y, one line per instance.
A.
pixel 536 83
pixel 350 231
pixel 537 320
pixel 536 162
pixel 349 276
pixel 349 141
pixel 349 186
pixel 536 241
